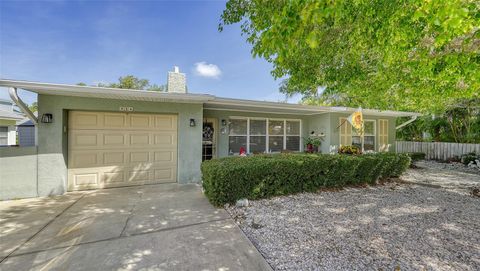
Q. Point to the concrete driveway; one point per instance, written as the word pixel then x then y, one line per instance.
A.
pixel 154 227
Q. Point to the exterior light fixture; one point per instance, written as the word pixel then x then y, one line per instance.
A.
pixel 192 123
pixel 47 118
pixel 224 122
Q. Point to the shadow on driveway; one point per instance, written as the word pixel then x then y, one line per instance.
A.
pixel 163 227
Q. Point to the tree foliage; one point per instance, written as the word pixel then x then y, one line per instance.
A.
pixel 131 82
pixel 459 123
pixel 402 55
pixel 33 107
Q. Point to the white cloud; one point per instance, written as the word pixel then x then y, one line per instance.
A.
pixel 207 70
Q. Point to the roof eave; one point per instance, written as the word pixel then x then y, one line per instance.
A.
pixel 206 99
pixel 100 92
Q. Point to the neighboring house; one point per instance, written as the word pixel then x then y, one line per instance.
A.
pixel 104 137
pixel 8 118
pixel 26 131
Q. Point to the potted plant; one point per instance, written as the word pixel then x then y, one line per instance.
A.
pixel 312 144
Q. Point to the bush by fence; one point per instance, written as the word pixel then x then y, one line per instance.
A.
pixel 228 179
pixel 416 156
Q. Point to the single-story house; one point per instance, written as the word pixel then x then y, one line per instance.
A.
pixel 8 118
pixel 93 137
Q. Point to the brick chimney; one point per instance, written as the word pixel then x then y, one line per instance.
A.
pixel 177 81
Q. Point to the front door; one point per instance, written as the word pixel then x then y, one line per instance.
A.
pixel 209 147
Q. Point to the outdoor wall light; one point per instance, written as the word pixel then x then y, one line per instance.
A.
pixel 192 123
pixel 224 122
pixel 47 118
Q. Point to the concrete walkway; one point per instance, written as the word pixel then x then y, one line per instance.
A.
pixel 154 227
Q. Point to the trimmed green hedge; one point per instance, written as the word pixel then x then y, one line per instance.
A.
pixel 228 179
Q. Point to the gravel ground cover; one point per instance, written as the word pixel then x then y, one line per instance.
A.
pixel 395 226
pixel 455 166
pixel 452 176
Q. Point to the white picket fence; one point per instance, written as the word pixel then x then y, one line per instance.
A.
pixel 437 150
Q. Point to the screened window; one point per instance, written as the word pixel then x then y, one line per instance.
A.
pixel 276 135
pixel 3 136
pixel 258 135
pixel 263 135
pixel 237 135
pixel 292 135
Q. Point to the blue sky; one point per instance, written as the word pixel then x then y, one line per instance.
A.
pixel 98 41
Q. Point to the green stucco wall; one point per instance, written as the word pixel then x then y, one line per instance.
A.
pixel 18 172
pixel 335 132
pixel 4 122
pixel 52 137
pixel 320 123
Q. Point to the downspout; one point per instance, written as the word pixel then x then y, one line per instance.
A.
pixel 406 123
pixel 14 95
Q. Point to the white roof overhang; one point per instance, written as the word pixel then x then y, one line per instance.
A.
pixel 240 105
pixel 106 93
pixel 5 115
pixel 210 102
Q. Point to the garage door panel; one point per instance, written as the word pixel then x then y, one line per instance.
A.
pixel 115 120
pixel 86 179
pixel 139 175
pixel 85 139
pixel 116 177
pixel 139 157
pixel 113 158
pixel 97 140
pixel 140 139
pixel 140 121
pixel 167 139
pixel 164 156
pixel 164 175
pixel 85 159
pixel 114 139
pixel 86 120
pixel 121 149
pixel 165 122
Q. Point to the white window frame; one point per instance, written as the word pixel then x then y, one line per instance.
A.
pixel 374 133
pixel 247 135
pixel 267 135
pixel 7 135
pixel 285 134
pixel 385 135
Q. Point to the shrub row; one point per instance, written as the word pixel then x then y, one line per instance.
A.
pixel 228 179
pixel 417 156
pixel 469 157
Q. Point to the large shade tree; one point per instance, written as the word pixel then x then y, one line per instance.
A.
pixel 131 82
pixel 404 55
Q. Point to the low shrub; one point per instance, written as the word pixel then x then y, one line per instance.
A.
pixel 228 179
pixel 469 157
pixel 349 149
pixel 417 156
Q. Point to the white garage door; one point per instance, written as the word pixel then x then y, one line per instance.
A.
pixel 120 149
